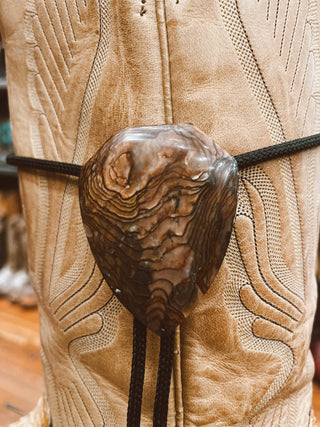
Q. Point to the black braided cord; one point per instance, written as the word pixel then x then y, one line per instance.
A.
pixel 160 409
pixel 45 165
pixel 244 160
pixel 137 373
pixel 275 151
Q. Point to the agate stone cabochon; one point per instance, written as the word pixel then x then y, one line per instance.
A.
pixel 158 204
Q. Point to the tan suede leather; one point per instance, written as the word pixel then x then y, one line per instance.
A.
pixel 247 73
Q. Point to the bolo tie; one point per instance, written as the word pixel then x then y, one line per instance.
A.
pixel 158 205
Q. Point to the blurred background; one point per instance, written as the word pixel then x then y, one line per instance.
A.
pixel 14 281
pixel 21 380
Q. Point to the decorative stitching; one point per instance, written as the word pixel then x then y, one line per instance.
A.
pixel 83 403
pixel 299 56
pixel 284 27
pixel 51 103
pixel 306 114
pixel 237 280
pixel 78 11
pixel 263 346
pixel 63 29
pixel 274 340
pixel 69 398
pixel 67 404
pixel 55 34
pixel 70 192
pixel 69 17
pixel 88 315
pixel 293 34
pixel 76 292
pixel 269 245
pixel 37 48
pixel 234 24
pixel 35 32
pixel 300 223
pixel 259 267
pixel 79 304
pixel 62 400
pixel 91 342
pixel 87 389
pixel 276 20
pixel 268 10
pixel 265 87
pixel 315 31
pixel 303 84
pixel 264 280
pixel 281 409
pixel 40 241
pixel 50 377
pixel 54 61
pixel 143 9
pixel 58 252
pixel 266 302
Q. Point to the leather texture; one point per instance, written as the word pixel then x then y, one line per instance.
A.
pixel 246 72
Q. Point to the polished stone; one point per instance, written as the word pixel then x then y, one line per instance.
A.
pixel 158 204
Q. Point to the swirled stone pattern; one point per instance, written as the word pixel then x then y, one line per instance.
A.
pixel 158 204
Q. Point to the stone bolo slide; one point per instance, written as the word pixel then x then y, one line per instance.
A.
pixel 158 204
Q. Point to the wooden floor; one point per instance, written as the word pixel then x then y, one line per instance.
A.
pixel 21 382
pixel 316 402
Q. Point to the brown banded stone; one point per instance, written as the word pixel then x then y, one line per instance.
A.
pixel 158 204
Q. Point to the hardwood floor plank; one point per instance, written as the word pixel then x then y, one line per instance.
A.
pixel 316 401
pixel 21 381
pixel 11 408
pixel 31 359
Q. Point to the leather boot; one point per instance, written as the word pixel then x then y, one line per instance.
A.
pixel 245 72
